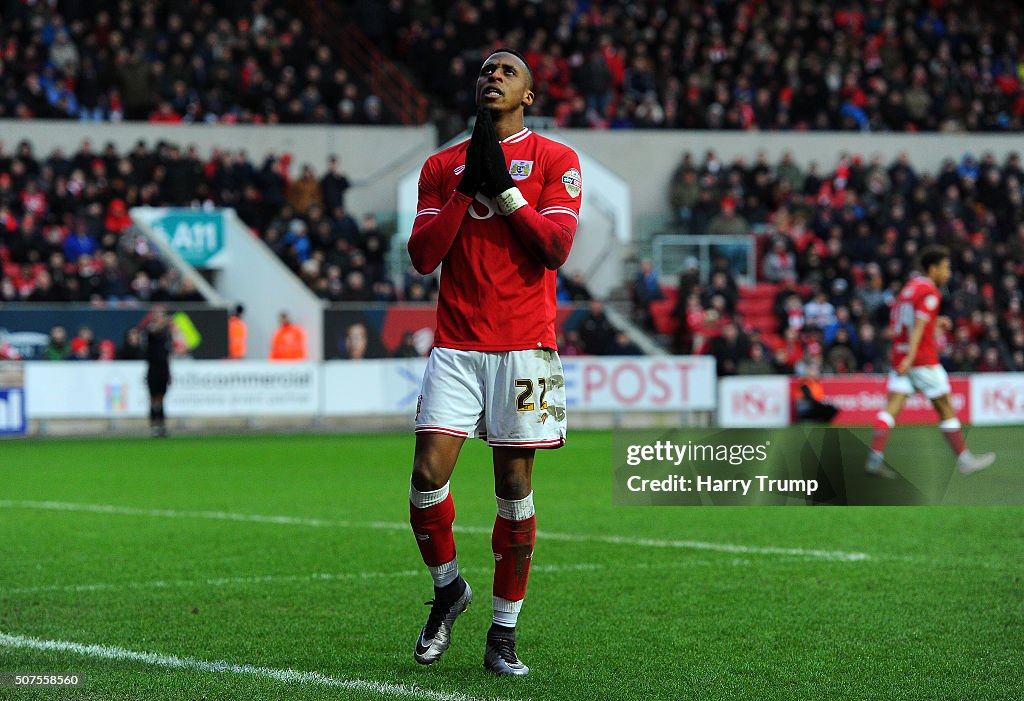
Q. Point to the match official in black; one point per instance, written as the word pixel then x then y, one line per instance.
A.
pixel 158 366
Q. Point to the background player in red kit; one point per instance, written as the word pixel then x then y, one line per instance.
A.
pixel 500 212
pixel 916 368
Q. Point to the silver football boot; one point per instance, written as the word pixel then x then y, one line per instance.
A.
pixel 436 635
pixel 500 657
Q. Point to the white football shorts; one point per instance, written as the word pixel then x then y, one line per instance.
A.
pixel 930 380
pixel 508 398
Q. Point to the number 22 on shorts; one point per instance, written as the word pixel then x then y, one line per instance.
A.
pixel 523 402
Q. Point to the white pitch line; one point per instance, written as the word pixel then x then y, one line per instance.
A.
pixel 715 547
pixel 211 515
pixel 268 579
pixel 289 676
pixel 215 581
pixel 733 548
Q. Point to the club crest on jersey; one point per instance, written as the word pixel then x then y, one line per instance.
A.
pixel 573 182
pixel 520 170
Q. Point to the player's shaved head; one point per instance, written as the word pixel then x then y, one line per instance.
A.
pixel 522 59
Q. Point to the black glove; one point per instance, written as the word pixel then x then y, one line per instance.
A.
pixel 474 172
pixel 496 175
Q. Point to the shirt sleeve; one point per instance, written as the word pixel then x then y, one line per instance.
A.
pixel 549 229
pixel 563 189
pixel 926 306
pixel 437 221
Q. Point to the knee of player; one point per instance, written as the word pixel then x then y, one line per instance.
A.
pixel 426 477
pixel 513 485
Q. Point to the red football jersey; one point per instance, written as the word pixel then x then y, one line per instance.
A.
pixel 495 295
pixel 919 299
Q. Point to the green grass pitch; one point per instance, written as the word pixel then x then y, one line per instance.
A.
pixel 183 567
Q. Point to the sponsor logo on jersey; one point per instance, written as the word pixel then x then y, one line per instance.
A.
pixel 573 182
pixel 520 170
pixel 459 169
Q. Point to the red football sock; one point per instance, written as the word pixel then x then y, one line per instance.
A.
pixel 432 525
pixel 953 434
pixel 883 427
pixel 515 531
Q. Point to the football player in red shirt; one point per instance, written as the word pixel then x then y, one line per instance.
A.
pixel 499 211
pixel 916 368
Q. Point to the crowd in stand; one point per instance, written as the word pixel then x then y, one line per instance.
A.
pixel 65 234
pixel 839 245
pixel 171 62
pixel 905 65
pixel 85 346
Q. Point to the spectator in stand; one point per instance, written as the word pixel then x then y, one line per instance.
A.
pixel 780 364
pixel 79 242
pixel 296 248
pixel 794 318
pixel 107 350
pixel 44 289
pixel 595 330
pixel 841 322
pixel 571 344
pixel 375 245
pixel 870 355
pixel 355 288
pixel 684 192
pixel 840 358
pixel 873 293
pixel 304 192
pixel 690 321
pixel 58 347
pixel 779 265
pixel 723 288
pixel 756 363
pixel 85 340
pixel 117 219
pixel 819 312
pixel 728 222
pixel 646 289
pixel 131 346
pixel 334 185
pixel 621 344
pixel 731 347
pixel 80 350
